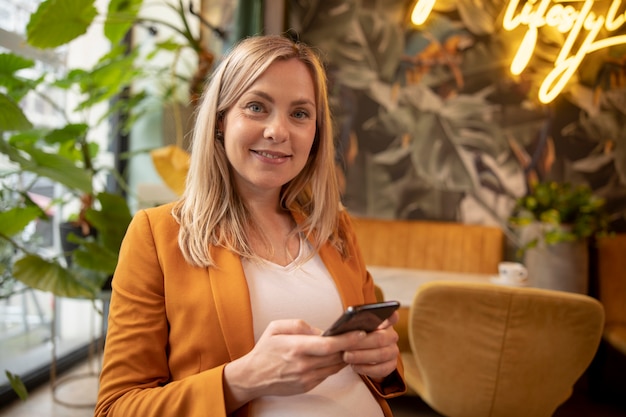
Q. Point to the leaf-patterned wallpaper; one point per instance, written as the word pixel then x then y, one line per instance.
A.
pixel 432 125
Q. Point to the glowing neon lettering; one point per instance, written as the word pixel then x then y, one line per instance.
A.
pixel 580 25
pixel 421 11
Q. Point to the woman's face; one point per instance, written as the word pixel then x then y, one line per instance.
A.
pixel 269 131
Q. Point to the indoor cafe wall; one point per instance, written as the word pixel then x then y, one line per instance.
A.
pixel 451 117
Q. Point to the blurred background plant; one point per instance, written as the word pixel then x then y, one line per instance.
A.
pixel 566 213
pixel 151 56
pixel 77 154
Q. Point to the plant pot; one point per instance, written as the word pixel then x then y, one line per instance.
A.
pixel 563 266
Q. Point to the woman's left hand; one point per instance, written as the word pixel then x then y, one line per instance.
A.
pixel 376 355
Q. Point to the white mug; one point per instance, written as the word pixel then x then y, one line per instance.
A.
pixel 512 272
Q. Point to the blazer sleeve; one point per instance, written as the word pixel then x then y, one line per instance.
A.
pixel 135 378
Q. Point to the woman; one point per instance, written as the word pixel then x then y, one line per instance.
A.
pixel 219 299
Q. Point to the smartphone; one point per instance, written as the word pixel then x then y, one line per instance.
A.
pixel 365 317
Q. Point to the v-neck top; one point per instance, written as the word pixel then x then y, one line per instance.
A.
pixel 305 290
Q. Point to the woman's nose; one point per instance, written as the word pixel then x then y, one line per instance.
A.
pixel 277 129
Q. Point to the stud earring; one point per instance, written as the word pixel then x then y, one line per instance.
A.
pixel 219 135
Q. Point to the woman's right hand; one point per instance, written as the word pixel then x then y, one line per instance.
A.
pixel 290 358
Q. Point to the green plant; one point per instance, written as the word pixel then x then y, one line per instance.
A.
pixel 565 212
pixel 71 154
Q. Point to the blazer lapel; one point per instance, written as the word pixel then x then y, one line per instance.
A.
pixel 350 290
pixel 232 302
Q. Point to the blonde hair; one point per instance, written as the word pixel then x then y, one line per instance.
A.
pixel 210 211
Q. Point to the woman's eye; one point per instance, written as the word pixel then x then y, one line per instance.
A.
pixel 301 114
pixel 255 107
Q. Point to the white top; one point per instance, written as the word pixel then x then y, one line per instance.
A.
pixel 304 291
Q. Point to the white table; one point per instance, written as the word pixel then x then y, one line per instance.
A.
pixel 401 283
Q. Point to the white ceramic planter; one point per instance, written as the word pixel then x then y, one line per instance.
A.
pixel 563 267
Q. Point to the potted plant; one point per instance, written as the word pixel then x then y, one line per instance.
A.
pixel 556 221
pixel 565 213
pixel 68 154
pixel 71 154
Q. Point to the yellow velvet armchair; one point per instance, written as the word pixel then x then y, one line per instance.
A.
pixel 482 350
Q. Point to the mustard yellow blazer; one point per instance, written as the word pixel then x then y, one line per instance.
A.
pixel 173 327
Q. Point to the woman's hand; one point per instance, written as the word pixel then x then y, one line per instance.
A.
pixel 376 355
pixel 291 358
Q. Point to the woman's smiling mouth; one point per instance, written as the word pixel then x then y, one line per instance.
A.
pixel 270 155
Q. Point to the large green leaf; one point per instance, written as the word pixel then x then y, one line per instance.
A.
pixel 68 132
pixel 16 219
pixel 74 76
pixel 14 145
pixel 94 257
pixel 11 63
pixel 120 17
pixel 11 116
pixel 115 70
pixel 17 385
pixel 58 168
pixel 16 86
pixel 109 78
pixel 111 221
pixel 57 22
pixel 50 276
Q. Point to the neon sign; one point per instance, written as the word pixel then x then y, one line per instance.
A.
pixel 575 23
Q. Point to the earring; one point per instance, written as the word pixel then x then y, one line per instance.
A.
pixel 219 135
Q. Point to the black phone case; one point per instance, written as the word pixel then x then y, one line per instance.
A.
pixel 365 317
